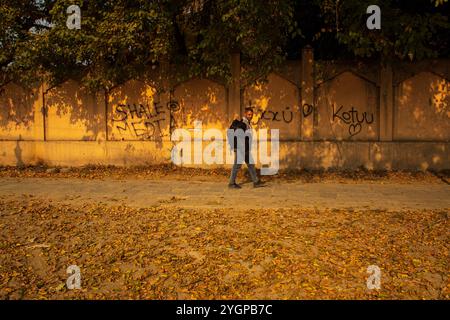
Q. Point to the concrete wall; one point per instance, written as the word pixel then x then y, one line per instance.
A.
pixel 276 104
pixel 422 108
pixel 347 109
pixel 135 112
pixel 20 116
pixel 330 115
pixel 73 114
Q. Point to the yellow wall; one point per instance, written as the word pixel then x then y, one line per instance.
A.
pixel 74 113
pixel 422 108
pixel 347 109
pixel 132 123
pixel 20 116
pixel 137 112
pixel 201 99
pixel 276 105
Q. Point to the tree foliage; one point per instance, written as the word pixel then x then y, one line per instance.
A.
pixel 125 39
pixel 410 30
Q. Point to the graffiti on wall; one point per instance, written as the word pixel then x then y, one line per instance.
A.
pixel 142 121
pixel 285 116
pixel 307 110
pixel 268 114
pixel 353 118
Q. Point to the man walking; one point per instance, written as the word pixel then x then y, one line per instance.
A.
pixel 241 154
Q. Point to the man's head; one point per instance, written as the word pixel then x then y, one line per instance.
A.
pixel 249 114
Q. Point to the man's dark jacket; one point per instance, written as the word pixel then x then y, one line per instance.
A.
pixel 235 125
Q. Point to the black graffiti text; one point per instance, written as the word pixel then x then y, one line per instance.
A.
pixel 307 110
pixel 353 118
pixel 142 121
pixel 285 116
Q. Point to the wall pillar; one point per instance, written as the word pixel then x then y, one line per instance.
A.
pixel 38 104
pixel 44 110
pixel 307 94
pixel 234 89
pixel 386 103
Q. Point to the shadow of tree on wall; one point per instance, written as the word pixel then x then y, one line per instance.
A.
pixel 347 100
pixel 16 110
pixel 422 108
pixel 363 68
pixel 347 109
pixel 276 106
pixel 138 110
pixel 346 92
pixel 201 100
pixel 74 113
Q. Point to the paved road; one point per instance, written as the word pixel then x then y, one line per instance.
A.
pixel 145 193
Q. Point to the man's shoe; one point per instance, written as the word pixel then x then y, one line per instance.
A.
pixel 234 186
pixel 258 184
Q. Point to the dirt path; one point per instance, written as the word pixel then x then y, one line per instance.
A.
pixel 169 239
pixel 140 193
